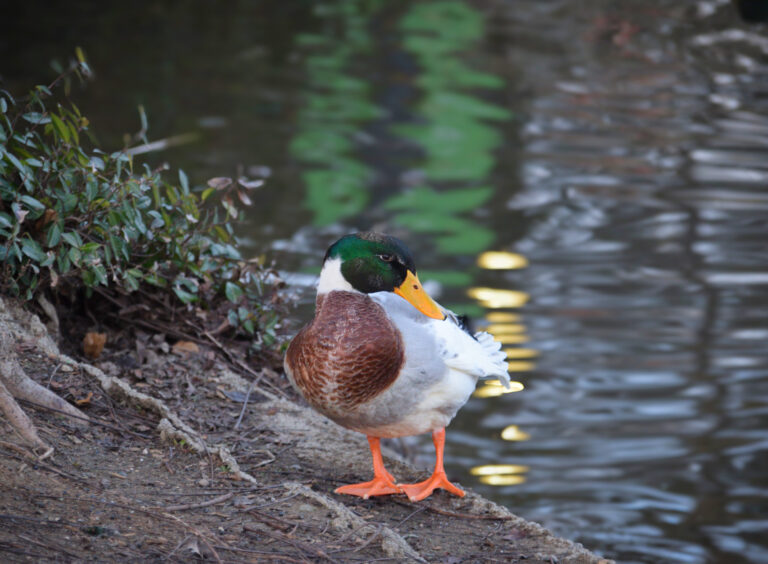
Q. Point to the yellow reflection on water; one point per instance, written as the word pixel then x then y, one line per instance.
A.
pixel 513 433
pixel 502 317
pixel 503 480
pixel 514 352
pixel 501 260
pixel 494 389
pixel 500 474
pixel 505 328
pixel 511 339
pixel 520 366
pixel 491 469
pixel 508 329
pixel 495 298
pixel 513 386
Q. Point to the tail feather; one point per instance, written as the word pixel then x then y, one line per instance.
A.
pixel 482 357
pixel 474 353
pixel 497 359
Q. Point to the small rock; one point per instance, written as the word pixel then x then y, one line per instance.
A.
pixel 203 482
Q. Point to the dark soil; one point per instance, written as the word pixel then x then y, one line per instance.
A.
pixel 115 491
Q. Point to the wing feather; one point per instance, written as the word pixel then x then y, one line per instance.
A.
pixel 478 355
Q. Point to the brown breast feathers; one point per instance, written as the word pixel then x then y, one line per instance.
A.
pixel 348 354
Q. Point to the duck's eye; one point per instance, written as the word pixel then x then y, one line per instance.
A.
pixel 387 258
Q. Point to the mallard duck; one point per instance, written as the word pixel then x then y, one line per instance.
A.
pixel 383 358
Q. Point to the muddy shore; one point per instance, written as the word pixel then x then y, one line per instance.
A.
pixel 164 472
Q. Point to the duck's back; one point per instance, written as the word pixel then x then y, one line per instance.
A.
pixel 346 356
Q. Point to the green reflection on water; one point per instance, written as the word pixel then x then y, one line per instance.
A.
pixel 451 129
pixel 425 210
pixel 454 131
pixel 335 104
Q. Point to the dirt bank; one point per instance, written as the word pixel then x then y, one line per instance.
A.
pixel 163 472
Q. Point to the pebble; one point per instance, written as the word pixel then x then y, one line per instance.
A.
pixel 203 483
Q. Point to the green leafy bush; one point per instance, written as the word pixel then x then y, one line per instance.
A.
pixel 73 216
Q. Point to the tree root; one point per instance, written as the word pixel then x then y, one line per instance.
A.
pixel 23 387
pixel 15 384
pixel 18 419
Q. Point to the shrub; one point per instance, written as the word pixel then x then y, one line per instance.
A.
pixel 75 217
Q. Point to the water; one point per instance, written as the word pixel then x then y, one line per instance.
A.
pixel 614 155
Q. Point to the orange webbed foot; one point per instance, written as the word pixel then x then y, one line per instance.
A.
pixel 422 490
pixel 438 479
pixel 380 485
pixel 383 482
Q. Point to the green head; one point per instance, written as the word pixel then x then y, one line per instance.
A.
pixel 372 262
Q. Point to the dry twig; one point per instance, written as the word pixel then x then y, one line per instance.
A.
pixel 207 503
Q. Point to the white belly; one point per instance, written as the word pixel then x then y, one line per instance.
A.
pixel 435 410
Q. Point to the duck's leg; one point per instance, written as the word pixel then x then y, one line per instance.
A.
pixel 383 482
pixel 438 479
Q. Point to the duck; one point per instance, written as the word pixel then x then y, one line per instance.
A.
pixel 382 358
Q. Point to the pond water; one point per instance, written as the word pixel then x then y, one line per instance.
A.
pixel 588 178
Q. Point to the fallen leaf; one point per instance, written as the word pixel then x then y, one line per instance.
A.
pixel 185 347
pixel 86 400
pixel 93 344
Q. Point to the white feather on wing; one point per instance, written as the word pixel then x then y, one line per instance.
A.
pixel 479 356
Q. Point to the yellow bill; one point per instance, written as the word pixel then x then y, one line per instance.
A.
pixel 412 290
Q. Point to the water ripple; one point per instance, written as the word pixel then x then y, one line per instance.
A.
pixel 642 186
